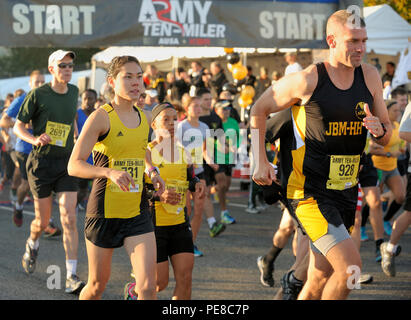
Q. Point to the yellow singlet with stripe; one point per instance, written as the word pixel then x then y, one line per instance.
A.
pixel 175 177
pixel 121 148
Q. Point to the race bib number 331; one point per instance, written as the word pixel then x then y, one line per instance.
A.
pixel 343 171
pixel 135 168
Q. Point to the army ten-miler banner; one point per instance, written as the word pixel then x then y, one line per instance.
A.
pixel 100 23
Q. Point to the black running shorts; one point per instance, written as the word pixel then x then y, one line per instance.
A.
pixel 46 174
pixel 407 204
pixel 368 176
pixel 172 240
pixel 22 160
pixel 110 233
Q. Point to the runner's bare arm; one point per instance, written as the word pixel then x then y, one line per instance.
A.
pixel 20 129
pixel 294 88
pixel 6 121
pixel 96 125
pixel 156 179
pixel 374 84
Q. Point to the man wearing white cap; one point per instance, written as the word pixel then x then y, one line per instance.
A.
pixel 52 109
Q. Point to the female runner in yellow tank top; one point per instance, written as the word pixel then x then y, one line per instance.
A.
pixel 117 211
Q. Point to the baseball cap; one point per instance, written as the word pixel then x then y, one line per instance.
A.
pixel 222 104
pixel 59 55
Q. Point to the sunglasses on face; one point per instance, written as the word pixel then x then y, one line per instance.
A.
pixel 64 65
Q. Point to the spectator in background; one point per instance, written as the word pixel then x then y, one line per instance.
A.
pixel 293 65
pixel 170 80
pixel 389 72
pixel 196 77
pixel 263 82
pixel 218 79
pixel 386 93
pixel 229 97
pixel 400 95
pixel 99 102
pixel 250 79
pixel 181 84
pixel 275 76
pixel 206 78
pixel 151 99
pixel 156 81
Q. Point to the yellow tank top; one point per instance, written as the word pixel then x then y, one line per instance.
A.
pixel 175 177
pixel 121 148
pixel 389 163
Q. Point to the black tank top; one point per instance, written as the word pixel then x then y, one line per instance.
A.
pixel 329 138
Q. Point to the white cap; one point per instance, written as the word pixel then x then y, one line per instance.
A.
pixel 59 55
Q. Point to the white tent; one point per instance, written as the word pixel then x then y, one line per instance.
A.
pixel 387 31
pixel 169 55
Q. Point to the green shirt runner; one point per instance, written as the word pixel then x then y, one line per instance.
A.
pixel 52 113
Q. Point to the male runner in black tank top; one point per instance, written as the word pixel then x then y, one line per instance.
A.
pixel 333 106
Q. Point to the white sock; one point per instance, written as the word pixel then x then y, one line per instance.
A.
pixel 211 221
pixel 19 206
pixel 33 244
pixel 71 266
pixel 391 248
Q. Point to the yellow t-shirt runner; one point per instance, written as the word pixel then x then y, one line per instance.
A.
pixel 395 143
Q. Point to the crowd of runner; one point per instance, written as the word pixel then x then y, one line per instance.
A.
pixel 146 157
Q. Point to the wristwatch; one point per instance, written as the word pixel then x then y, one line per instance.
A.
pixel 388 154
pixel 150 171
pixel 385 131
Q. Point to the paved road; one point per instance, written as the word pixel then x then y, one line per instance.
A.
pixel 228 270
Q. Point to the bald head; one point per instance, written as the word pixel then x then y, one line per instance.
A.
pixel 341 19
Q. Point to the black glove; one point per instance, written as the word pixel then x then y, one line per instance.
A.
pixel 272 193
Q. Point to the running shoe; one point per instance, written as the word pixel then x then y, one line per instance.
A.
pixel 365 278
pixel 13 198
pixel 197 253
pixel 216 229
pixel 252 210
pixel 262 207
pixel 397 251
pixel 51 231
pixel 129 293
pixel 384 205
pixel 378 255
pixel 27 199
pixel 29 259
pixel 17 217
pixel 364 236
pixel 387 261
pixel 387 228
pixel 266 271
pixel 291 286
pixel 226 218
pixel 74 285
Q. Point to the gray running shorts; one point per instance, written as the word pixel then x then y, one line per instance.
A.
pixel 334 236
